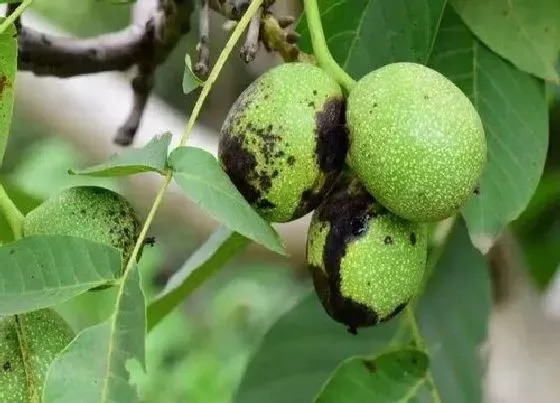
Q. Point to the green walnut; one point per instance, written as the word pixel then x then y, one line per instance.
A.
pixel 89 212
pixel 28 345
pixel 284 140
pixel 366 262
pixel 416 141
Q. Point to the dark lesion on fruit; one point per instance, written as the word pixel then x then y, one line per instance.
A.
pixel 330 152
pixel 308 201
pixel 348 212
pixel 240 165
pixel 332 135
pixel 265 204
pixel 269 141
pixel 395 312
pixel 321 282
pixel 359 225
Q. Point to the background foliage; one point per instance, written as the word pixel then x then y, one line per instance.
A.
pixel 256 329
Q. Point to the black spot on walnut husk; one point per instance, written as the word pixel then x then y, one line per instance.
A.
pixel 330 151
pixel 395 312
pixel 239 164
pixel 308 201
pixel 265 204
pixel 332 136
pixel 321 282
pixel 348 213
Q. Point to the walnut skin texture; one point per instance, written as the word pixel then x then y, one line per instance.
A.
pixel 90 212
pixel 416 141
pixel 284 140
pixel 366 262
pixel 42 335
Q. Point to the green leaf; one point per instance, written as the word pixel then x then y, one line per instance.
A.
pixel 305 345
pixel 538 231
pixel 92 369
pixel 150 158
pixel 41 271
pixel 513 108
pixel 8 68
pixel 453 314
pixel 364 35
pixel 190 80
pixel 525 32
pixel 23 200
pixel 30 342
pixel 204 262
pixel 390 377
pixel 199 174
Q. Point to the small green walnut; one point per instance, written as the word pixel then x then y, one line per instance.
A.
pixel 416 141
pixel 284 140
pixel 90 212
pixel 28 345
pixel 366 262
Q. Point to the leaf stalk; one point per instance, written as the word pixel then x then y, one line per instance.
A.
pixel 233 39
pixel 321 50
pixel 10 19
pixel 13 215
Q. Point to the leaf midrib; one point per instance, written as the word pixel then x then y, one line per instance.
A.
pixel 525 34
pixel 27 364
pixel 196 179
pixel 357 32
pixel 111 342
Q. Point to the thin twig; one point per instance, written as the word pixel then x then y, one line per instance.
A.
pixel 10 8
pixel 155 29
pixel 202 65
pixel 231 9
pixel 274 39
pixel 419 342
pixel 47 55
pixel 286 21
pixel 271 32
pixel 11 213
pixel 251 46
pixel 216 70
pixel 142 85
pixel 14 14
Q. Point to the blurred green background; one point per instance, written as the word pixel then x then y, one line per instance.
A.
pixel 201 351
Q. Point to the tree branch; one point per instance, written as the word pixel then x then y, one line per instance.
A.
pixel 46 55
pixel 202 65
pixel 142 85
pixel 251 45
pixel 155 29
